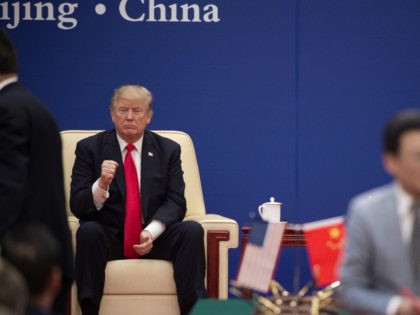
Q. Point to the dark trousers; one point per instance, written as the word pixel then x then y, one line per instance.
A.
pixel 181 243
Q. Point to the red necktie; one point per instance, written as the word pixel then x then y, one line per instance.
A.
pixel 132 221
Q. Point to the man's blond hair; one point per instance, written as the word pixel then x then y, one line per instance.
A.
pixel 133 92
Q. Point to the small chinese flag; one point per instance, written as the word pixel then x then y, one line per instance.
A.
pixel 325 243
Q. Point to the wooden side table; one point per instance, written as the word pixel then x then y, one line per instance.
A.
pixel 293 236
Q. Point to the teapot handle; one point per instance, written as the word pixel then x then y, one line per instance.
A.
pixel 260 210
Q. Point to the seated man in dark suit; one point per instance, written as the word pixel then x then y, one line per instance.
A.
pixel 133 209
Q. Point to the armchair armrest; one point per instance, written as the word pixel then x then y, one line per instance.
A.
pixel 73 225
pixel 220 234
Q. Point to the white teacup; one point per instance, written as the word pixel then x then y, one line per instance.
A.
pixel 270 211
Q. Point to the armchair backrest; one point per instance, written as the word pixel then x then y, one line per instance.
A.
pixel 193 189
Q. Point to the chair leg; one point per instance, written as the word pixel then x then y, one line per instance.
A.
pixel 213 240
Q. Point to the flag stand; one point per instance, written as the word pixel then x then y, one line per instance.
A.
pixel 320 302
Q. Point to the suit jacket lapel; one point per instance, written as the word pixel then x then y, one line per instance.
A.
pixel 112 152
pixel 148 156
pixel 394 241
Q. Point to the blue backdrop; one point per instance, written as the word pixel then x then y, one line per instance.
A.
pixel 282 98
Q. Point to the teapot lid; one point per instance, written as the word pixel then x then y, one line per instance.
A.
pixel 272 200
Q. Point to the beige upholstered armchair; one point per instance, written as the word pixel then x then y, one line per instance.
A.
pixel 155 293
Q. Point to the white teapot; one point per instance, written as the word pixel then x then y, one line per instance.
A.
pixel 270 211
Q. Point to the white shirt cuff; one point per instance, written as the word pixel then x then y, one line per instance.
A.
pixel 99 195
pixel 393 305
pixel 155 228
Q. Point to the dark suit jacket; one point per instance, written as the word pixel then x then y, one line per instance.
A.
pixel 31 171
pixel 162 184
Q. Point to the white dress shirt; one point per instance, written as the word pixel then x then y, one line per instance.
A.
pixel 8 81
pixel 156 227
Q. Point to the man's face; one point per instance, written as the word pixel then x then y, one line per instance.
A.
pixel 131 117
pixel 405 165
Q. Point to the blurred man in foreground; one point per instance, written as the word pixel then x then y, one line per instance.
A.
pixel 31 170
pixel 380 273
pixel 13 290
pixel 34 251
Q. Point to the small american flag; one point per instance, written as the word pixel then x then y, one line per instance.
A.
pixel 259 261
